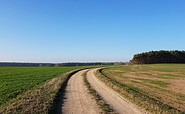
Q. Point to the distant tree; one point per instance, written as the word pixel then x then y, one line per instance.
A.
pixel 161 56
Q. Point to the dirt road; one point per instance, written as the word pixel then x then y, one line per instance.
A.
pixel 77 99
pixel 115 100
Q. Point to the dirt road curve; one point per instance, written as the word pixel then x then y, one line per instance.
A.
pixel 119 104
pixel 77 99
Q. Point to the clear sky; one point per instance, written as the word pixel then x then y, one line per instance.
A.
pixel 88 30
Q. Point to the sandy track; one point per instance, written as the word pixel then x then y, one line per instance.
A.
pixel 115 100
pixel 77 100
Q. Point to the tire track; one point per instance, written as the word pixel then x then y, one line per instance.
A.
pixel 77 100
pixel 115 100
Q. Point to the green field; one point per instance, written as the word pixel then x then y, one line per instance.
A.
pixel 14 81
pixel 159 88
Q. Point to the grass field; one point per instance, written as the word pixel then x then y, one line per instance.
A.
pixel 15 81
pixel 159 88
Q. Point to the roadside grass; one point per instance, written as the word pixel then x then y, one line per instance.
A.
pixel 30 89
pixel 106 109
pixel 147 91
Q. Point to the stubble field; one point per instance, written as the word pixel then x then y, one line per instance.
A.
pixel 157 88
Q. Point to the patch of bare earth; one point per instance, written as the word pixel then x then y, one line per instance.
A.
pixel 178 86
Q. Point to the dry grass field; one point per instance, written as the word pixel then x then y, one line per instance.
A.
pixel 157 88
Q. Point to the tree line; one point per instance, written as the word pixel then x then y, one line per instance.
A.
pixel 161 56
pixel 53 64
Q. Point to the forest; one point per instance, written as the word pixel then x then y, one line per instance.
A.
pixel 162 56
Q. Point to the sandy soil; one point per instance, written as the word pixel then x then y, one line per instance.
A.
pixel 77 99
pixel 178 86
pixel 115 100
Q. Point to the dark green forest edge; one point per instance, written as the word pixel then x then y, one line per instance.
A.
pixel 161 56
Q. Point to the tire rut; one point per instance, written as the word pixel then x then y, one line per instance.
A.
pixel 77 100
pixel 115 100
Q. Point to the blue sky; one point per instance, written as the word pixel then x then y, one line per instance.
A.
pixel 88 30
